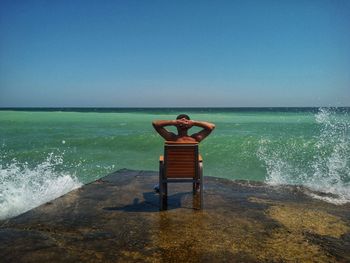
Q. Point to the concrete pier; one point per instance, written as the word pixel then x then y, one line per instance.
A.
pixel 117 219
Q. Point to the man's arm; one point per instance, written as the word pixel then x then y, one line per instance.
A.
pixel 159 127
pixel 207 129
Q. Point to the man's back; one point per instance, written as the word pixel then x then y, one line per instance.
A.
pixel 183 123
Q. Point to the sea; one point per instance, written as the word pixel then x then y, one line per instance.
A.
pixel 47 152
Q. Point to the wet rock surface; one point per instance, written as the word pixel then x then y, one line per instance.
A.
pixel 117 219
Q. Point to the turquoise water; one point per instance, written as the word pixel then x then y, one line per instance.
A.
pixel 44 154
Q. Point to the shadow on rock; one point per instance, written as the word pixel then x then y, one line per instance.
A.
pixel 150 203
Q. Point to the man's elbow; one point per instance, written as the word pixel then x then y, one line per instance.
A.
pixel 211 127
pixel 155 124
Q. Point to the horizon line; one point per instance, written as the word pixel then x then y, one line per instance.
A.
pixel 162 107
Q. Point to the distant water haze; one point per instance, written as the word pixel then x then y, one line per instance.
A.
pixel 45 153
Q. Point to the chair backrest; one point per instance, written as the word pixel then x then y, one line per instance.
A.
pixel 181 160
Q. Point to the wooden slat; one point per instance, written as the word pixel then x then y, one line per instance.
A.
pixel 187 158
pixel 180 161
pixel 181 154
pixel 187 166
pixel 180 151
pixel 171 162
pixel 161 159
pixel 175 162
pixel 181 170
pixel 180 167
pixel 170 175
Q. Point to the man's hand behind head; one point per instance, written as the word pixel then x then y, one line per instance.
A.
pixel 184 123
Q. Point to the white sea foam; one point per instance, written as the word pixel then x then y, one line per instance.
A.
pixel 23 188
pixel 328 170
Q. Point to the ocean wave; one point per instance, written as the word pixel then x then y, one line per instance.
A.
pixel 321 163
pixel 23 187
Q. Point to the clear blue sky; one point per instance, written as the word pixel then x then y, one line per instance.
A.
pixel 174 53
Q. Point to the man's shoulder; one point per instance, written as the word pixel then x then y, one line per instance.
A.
pixel 186 139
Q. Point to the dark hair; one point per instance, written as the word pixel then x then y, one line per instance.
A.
pixel 181 116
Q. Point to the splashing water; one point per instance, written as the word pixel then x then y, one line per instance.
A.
pixel 23 188
pixel 326 171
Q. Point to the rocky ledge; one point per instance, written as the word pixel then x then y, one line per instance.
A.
pixel 117 219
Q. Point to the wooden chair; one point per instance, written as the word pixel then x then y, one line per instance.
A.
pixel 181 163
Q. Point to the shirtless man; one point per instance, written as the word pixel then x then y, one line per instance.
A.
pixel 183 123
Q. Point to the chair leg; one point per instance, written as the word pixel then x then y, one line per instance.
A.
pixel 165 200
pixel 161 187
pixel 196 195
pixel 201 185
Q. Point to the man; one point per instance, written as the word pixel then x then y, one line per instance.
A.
pixel 183 123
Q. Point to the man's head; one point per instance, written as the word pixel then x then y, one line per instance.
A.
pixel 183 116
pixel 182 125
